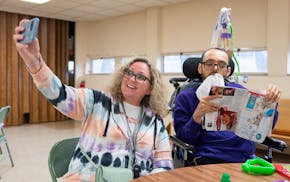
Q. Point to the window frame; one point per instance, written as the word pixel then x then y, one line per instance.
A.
pixel 161 65
pixel 182 57
pixel 89 67
pixel 249 50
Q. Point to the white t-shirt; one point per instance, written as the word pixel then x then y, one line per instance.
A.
pixel 133 113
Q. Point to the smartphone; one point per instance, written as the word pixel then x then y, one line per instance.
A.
pixel 30 31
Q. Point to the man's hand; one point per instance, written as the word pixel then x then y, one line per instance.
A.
pixel 205 106
pixel 273 93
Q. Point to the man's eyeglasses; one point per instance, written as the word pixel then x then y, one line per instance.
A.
pixel 138 77
pixel 210 65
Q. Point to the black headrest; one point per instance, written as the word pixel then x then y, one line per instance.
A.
pixel 232 65
pixel 190 68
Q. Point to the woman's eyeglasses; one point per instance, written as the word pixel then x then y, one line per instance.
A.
pixel 210 65
pixel 138 77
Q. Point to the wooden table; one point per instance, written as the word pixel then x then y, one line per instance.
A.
pixel 208 173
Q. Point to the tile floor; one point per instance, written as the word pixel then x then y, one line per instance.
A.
pixel 31 143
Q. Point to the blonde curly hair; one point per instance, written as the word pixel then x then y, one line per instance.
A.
pixel 156 100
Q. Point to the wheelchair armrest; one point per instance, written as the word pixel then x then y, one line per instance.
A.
pixel 181 143
pixel 175 81
pixel 275 143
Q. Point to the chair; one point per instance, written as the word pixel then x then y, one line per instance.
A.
pixel 60 156
pixel 180 149
pixel 3 114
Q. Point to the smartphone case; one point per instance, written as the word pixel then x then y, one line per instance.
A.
pixel 31 28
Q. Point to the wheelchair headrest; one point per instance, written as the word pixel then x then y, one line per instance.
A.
pixel 232 65
pixel 190 67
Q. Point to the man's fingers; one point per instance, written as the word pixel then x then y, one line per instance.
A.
pixel 273 93
pixel 208 106
pixel 211 97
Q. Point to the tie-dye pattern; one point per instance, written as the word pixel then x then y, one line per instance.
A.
pixel 92 107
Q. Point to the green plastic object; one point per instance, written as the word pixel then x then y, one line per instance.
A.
pixel 3 140
pixel 226 177
pixel 60 156
pixel 258 166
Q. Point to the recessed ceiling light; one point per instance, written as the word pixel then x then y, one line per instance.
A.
pixel 36 1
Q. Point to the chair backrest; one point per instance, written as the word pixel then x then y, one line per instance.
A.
pixel 60 156
pixel 190 68
pixel 192 79
pixel 3 113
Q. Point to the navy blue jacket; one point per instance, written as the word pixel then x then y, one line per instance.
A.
pixel 224 145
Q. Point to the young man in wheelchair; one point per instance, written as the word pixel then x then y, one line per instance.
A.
pixel 212 147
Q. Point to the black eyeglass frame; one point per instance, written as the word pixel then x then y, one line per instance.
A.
pixel 138 77
pixel 221 66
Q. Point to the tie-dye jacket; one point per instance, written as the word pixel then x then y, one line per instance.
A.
pixel 92 107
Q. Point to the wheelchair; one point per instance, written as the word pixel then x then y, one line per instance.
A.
pixel 181 150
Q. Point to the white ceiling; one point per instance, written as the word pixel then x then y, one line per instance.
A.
pixel 82 10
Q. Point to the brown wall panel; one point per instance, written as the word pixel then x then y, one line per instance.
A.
pixel 13 70
pixel 24 97
pixel 64 53
pixel 50 61
pixel 58 58
pixel 42 34
pixel 18 89
pixel 3 58
pixel 34 104
pixel 61 53
pixel 24 100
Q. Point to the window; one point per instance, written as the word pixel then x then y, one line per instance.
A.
pixel 288 67
pixel 71 66
pixel 125 60
pixel 173 63
pixel 100 65
pixel 252 61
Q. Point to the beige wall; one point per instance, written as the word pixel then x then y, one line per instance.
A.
pixel 188 27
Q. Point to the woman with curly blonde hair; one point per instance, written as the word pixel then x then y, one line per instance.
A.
pixel 116 125
pixel 155 100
